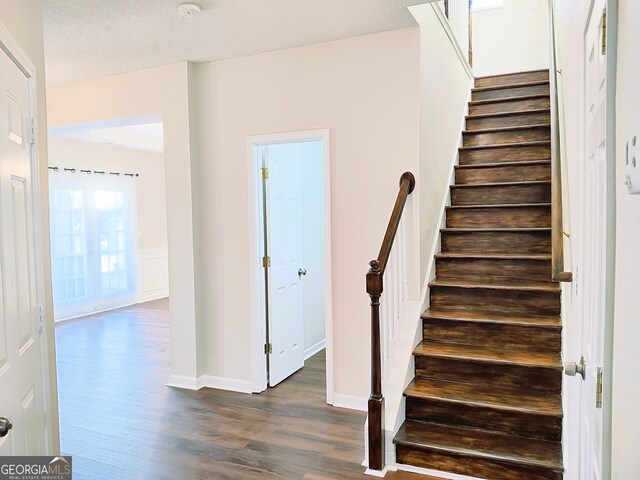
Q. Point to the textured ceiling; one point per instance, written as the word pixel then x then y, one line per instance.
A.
pixel 93 38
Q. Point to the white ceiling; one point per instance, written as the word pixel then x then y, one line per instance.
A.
pixel 93 38
pixel 141 133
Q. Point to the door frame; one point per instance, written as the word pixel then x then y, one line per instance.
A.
pixel 47 336
pixel 257 287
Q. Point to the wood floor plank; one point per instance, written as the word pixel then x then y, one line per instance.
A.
pixel 119 419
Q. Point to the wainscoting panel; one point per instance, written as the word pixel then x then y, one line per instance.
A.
pixel 153 274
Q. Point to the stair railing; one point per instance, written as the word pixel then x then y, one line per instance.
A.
pixel 558 271
pixel 375 287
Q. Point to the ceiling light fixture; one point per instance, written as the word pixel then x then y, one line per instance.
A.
pixel 189 9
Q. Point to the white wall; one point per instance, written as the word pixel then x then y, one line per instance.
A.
pixel 311 154
pixel 157 91
pixel 444 93
pixel 23 21
pixel 153 251
pixel 509 39
pixel 365 90
pixel 626 388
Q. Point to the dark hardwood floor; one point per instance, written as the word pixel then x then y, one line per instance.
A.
pixel 119 420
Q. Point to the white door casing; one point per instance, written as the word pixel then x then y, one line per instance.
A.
pixel 21 367
pixel 284 247
pixel 595 246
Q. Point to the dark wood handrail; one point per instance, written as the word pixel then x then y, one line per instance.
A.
pixel 558 272
pixel 374 289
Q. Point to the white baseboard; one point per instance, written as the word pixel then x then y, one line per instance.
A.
pixel 352 402
pixel 224 383
pixel 180 381
pixel 313 349
pixel 151 295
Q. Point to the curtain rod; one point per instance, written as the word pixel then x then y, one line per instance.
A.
pixel 97 172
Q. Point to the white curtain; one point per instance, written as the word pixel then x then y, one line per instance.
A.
pixel 93 242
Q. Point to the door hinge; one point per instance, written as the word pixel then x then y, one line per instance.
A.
pixel 604 32
pixel 268 349
pixel 34 132
pixel 41 318
pixel 266 262
pixel 599 388
pixel 264 173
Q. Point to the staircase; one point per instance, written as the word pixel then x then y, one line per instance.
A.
pixel 486 398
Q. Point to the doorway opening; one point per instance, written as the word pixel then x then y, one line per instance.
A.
pixel 291 248
pixel 108 215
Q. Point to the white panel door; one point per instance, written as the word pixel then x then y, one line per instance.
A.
pixel 595 209
pixel 20 363
pixel 284 245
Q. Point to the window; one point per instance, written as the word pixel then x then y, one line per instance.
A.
pixel 478 5
pixel 93 242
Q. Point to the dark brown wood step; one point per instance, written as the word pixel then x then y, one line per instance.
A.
pixel 508 119
pixel 511 78
pixel 527 414
pixel 499 216
pixel 482 365
pixel 536 336
pixel 501 193
pixel 478 317
pixel 496 240
pixel 494 266
pixel 529 102
pixel 514 152
pixel 512 90
pixel 507 399
pixel 477 453
pixel 515 297
pixel 503 135
pixel 537 170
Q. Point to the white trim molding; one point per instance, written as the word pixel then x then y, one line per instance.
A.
pixel 352 402
pixel 313 349
pixel 225 383
pixel 210 381
pixel 181 381
pixel 256 274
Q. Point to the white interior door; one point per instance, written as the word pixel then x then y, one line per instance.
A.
pixel 21 397
pixel 284 246
pixel 595 209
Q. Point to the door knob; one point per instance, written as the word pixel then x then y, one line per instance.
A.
pixel 5 426
pixel 573 368
pixel 302 271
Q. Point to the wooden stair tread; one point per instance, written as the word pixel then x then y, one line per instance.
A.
pixel 495 229
pixel 483 354
pixel 481 444
pixel 540 403
pixel 501 205
pixel 488 283
pixel 508 99
pixel 495 256
pixel 479 316
pixel 501 184
pixel 529 111
pixel 536 143
pixel 506 129
pixel 511 74
pixel 532 83
pixel 504 164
